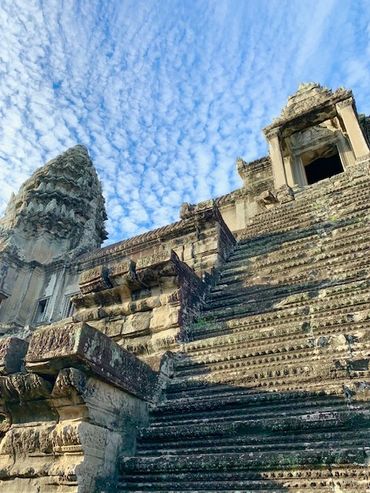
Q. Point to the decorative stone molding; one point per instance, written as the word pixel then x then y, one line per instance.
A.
pixel 285 194
pixel 95 279
pixel 345 103
pixel 309 97
pixel 79 345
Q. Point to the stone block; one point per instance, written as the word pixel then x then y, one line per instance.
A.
pixel 137 323
pixel 12 353
pixel 164 317
pixel 81 346
pixel 95 279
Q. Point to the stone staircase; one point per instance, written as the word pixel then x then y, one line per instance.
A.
pixel 271 392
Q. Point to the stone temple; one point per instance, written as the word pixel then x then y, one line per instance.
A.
pixel 226 352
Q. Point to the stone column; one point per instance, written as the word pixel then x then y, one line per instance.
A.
pixel 289 171
pixel 276 158
pixel 353 129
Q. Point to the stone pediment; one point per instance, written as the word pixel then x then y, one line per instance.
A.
pixel 308 97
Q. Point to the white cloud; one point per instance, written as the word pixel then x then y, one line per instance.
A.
pixel 166 95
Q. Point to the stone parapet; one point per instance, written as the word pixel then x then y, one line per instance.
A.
pixel 70 416
pixel 80 346
pixel 194 238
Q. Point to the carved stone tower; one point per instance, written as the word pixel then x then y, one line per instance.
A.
pixel 57 214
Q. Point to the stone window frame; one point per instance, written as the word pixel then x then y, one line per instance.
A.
pixel 68 307
pixel 36 319
pixel 298 171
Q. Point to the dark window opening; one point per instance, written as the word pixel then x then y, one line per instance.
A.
pixel 41 311
pixel 322 168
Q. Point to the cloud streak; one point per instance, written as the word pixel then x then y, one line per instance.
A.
pixel 164 94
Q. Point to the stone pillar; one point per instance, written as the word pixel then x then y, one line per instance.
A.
pixel 353 129
pixel 276 158
pixel 289 171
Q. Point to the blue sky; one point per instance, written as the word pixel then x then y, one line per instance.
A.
pixel 165 94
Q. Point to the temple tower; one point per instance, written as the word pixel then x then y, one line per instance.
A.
pixel 57 214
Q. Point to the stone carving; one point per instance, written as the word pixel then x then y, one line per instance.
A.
pixel 81 346
pixel 63 198
pixel 12 352
pixel 311 136
pixel 308 97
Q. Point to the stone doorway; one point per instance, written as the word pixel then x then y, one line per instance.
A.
pixel 322 168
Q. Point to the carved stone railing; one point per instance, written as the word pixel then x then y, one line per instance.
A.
pixel 69 409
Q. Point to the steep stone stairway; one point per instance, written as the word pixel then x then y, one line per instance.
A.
pixel 271 392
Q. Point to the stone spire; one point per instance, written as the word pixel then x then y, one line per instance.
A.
pixel 60 208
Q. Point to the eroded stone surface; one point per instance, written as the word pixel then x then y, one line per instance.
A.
pixel 12 353
pixel 79 345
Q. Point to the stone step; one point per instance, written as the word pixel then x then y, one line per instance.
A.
pixel 286 221
pixel 257 443
pixel 279 322
pixel 258 461
pixel 264 340
pixel 217 409
pixel 270 393
pixel 321 479
pixel 301 264
pixel 320 249
pixel 310 422
pixel 228 311
pixel 241 398
pixel 301 377
pixel 297 240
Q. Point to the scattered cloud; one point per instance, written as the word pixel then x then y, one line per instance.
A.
pixel 164 94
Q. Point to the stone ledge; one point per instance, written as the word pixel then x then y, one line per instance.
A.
pixel 80 346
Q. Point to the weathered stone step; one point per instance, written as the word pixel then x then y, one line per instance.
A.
pixel 242 398
pixel 306 422
pixel 257 443
pixel 280 362
pixel 246 461
pixel 228 347
pixel 297 240
pixel 299 266
pixel 279 322
pixel 322 274
pixel 238 310
pixel 319 249
pixel 306 217
pixel 289 222
pixel 218 410
pixel 310 380
pixel 256 329
pixel 322 480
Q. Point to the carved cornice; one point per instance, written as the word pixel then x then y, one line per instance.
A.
pixel 344 104
pixel 272 133
pixel 198 220
pixel 309 98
